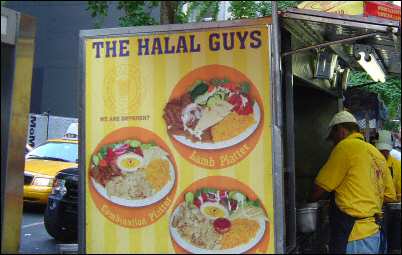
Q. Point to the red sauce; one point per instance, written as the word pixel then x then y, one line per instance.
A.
pixel 222 225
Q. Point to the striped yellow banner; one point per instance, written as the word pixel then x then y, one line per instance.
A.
pixel 128 83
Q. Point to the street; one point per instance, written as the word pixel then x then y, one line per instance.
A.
pixel 34 237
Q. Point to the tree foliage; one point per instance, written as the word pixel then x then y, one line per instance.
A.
pixel 243 9
pixel 138 12
pixel 202 9
pixel 253 9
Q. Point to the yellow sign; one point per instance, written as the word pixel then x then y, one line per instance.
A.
pixel 178 142
pixel 339 7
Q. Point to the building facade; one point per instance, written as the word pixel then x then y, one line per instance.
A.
pixel 55 72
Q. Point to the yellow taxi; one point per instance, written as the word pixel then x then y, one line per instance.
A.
pixel 43 163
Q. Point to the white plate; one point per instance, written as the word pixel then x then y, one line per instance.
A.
pixel 196 250
pixel 140 202
pixel 228 143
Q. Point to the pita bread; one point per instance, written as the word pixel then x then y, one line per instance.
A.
pixel 212 116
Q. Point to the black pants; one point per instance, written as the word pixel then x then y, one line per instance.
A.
pixel 393 229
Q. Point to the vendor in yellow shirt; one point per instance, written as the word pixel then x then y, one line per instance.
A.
pixel 384 145
pixel 356 175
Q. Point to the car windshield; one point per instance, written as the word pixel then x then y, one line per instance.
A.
pixel 67 152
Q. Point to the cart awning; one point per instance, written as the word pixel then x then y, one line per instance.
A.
pixel 341 33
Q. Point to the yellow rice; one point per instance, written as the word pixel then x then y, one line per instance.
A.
pixel 241 232
pixel 157 173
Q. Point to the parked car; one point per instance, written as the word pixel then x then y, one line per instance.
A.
pixel 61 213
pixel 43 163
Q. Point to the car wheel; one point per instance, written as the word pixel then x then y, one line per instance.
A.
pixel 55 230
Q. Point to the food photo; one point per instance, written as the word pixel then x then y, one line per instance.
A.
pixel 214 110
pixel 212 219
pixel 130 172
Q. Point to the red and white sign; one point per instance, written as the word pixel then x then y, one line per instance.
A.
pixel 382 9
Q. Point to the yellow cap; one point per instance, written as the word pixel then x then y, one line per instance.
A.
pixel 340 117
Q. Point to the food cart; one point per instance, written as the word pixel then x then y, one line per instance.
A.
pixel 17 51
pixel 235 113
pixel 311 101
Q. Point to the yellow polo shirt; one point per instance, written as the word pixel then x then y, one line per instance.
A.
pixel 357 172
pixel 395 165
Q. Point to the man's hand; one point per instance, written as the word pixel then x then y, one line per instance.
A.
pixel 318 193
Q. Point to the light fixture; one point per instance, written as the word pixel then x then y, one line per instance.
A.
pixel 345 78
pixel 368 60
pixel 325 64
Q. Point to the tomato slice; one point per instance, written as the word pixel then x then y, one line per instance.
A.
pixel 197 202
pixel 102 163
